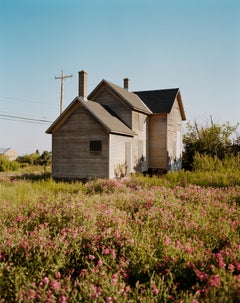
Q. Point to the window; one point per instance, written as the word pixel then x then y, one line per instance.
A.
pixel 95 145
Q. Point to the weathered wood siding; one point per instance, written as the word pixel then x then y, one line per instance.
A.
pixel 108 98
pixel 118 157
pixel 174 137
pixel 72 158
pixel 140 141
pixel 158 157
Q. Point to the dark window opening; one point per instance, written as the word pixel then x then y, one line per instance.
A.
pixel 95 145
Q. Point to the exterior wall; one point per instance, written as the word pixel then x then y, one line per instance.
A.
pixel 158 157
pixel 118 159
pixel 140 141
pixel 72 158
pixel 174 137
pixel 11 154
pixel 106 97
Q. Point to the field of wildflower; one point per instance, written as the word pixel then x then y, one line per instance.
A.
pixel 134 240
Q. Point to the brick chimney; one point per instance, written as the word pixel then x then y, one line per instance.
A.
pixel 82 84
pixel 126 84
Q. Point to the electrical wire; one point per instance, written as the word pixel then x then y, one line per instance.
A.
pixel 23 119
pixel 23 100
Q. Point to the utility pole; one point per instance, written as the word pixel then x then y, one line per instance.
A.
pixel 62 88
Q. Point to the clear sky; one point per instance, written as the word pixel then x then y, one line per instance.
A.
pixel 157 44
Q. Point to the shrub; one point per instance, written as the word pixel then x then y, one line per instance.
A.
pixel 214 140
pixel 7 165
pixel 206 163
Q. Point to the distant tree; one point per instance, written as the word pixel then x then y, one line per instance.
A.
pixel 31 159
pixel 45 159
pixel 214 140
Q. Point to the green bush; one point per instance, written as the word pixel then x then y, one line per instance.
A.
pixel 213 163
pixel 7 165
pixel 206 163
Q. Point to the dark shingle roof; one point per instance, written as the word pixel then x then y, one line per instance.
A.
pixel 159 101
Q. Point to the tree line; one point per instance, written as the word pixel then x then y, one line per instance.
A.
pixel 36 158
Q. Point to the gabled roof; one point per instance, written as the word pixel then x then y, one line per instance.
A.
pixel 128 97
pixel 161 101
pixel 111 123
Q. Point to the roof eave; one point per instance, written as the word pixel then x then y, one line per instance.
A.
pixel 61 116
pixel 132 134
pixel 179 97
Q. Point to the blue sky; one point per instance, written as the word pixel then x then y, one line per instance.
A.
pixel 190 44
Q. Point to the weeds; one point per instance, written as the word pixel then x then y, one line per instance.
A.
pixel 135 240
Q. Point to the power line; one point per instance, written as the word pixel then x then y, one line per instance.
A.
pixel 23 119
pixel 24 100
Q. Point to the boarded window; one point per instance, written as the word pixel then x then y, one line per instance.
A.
pixel 95 145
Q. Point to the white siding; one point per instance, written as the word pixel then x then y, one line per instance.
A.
pixel 174 138
pixel 117 154
pixel 140 141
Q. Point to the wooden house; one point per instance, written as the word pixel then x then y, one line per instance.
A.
pixel 114 132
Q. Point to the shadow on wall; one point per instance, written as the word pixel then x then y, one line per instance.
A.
pixel 140 165
pixel 175 164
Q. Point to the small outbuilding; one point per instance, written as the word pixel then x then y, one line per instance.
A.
pixel 9 153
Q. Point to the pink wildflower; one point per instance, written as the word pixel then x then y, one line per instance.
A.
pixel 106 251
pixel 83 273
pixel 221 264
pixel 57 275
pixel 188 249
pixel 167 240
pixel 155 291
pixel 214 281
pixel 100 262
pixel 178 244
pixel 91 257
pixel 55 285
pixel 63 299
pixel 95 291
pixel 237 266
pixel 109 300
pixel 114 279
pixel 231 267
pixel 45 280
pixel 127 288
pixel 31 294
pixel 201 275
